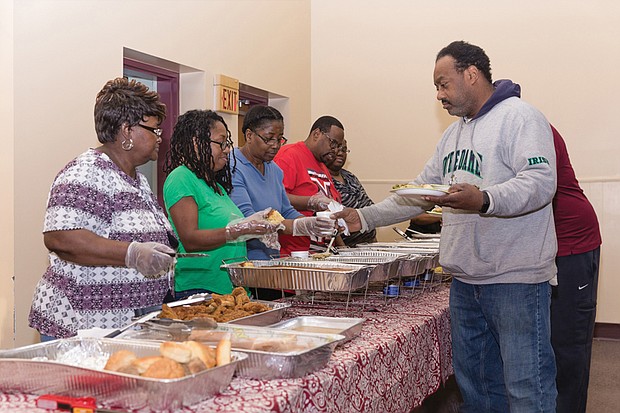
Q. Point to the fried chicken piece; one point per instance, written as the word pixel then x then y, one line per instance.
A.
pixel 228 304
pixel 241 299
pixel 255 307
pixel 239 291
pixel 167 312
pixel 228 298
pixel 232 315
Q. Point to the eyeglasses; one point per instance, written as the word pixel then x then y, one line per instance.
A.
pixel 272 141
pixel 228 143
pixel 343 149
pixel 156 131
pixel 333 143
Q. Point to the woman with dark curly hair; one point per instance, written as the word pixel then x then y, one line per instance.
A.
pixel 199 208
pixel 109 240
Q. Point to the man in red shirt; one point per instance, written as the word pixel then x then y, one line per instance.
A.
pixel 307 180
pixel 573 301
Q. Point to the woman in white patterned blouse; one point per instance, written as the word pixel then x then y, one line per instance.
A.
pixel 110 243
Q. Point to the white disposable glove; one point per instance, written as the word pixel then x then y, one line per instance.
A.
pixel 254 226
pixel 319 227
pixel 318 202
pixel 149 258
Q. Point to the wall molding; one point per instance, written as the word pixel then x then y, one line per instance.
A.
pixel 607 330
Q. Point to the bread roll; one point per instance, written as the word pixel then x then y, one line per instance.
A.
pixel 275 217
pixel 195 366
pixel 202 352
pixel 222 351
pixel 178 352
pixel 164 368
pixel 143 363
pixel 118 360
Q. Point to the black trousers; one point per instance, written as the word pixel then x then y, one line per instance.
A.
pixel 573 313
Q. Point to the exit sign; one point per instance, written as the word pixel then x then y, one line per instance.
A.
pixel 226 94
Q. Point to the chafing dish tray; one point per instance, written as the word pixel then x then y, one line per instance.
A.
pixel 272 353
pixel 348 327
pixel 273 314
pixel 299 275
pixel 386 264
pixel 42 368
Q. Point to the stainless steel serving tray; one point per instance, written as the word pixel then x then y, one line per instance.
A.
pixel 313 352
pixel 19 373
pixel 273 315
pixel 300 275
pixel 348 327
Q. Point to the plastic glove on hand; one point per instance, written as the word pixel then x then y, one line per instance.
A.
pixel 318 202
pixel 314 226
pixel 149 258
pixel 247 229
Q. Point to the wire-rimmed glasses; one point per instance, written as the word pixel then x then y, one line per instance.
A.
pixel 334 145
pixel 272 141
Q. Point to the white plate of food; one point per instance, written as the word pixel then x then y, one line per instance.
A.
pixel 413 190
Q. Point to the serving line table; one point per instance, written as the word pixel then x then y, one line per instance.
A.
pixel 402 355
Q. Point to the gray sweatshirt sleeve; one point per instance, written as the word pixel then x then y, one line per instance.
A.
pixel 392 210
pixel 531 154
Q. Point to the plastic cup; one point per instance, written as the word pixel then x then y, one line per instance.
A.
pixel 300 254
pixel 324 214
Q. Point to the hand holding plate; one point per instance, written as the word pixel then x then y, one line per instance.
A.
pixel 460 196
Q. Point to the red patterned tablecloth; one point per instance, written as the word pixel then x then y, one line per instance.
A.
pixel 401 356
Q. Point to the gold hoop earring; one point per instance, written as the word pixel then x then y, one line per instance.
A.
pixel 127 144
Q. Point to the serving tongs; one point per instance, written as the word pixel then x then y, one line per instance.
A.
pixel 188 254
pixel 140 320
pixel 403 234
pixel 201 323
pixel 152 315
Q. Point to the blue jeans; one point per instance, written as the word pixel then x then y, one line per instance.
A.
pixel 501 345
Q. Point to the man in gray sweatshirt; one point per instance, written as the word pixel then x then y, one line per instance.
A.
pixel 498 237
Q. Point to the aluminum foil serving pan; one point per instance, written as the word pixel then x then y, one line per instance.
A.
pixel 272 353
pixel 299 275
pixel 348 327
pixel 386 264
pixel 273 314
pixel 57 367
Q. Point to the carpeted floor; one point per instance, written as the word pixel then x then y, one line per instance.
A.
pixel 603 393
pixel 604 390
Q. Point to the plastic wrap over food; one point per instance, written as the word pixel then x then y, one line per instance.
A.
pixel 271 353
pixel 275 353
pixel 70 367
pixel 346 326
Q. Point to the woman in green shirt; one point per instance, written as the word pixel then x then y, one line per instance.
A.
pixel 199 208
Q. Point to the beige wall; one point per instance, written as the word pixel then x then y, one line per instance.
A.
pixel 66 50
pixel 6 172
pixel 372 65
pixel 367 62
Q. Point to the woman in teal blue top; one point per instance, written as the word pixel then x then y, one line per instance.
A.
pixel 199 208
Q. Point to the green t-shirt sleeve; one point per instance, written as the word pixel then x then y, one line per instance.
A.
pixel 179 184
